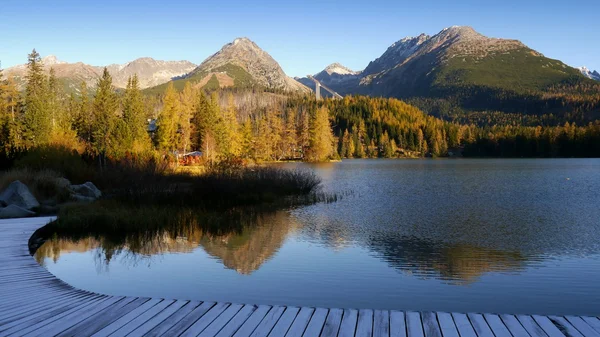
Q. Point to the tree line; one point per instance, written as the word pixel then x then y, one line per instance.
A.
pixel 111 124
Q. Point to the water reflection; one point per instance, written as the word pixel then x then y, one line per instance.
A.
pixel 483 236
pixel 457 264
pixel 245 249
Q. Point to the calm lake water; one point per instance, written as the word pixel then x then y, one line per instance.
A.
pixel 508 236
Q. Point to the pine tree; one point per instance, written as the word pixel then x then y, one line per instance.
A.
pixel 134 118
pixel 304 133
pixel 277 132
pixel 104 118
pixel 231 142
pixel 37 122
pixel 321 136
pixel 188 106
pixel 167 120
pixel 247 139
pixel 290 140
pixel 84 116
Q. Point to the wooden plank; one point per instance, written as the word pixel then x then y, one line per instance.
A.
pixel 143 318
pixel 465 329
pixel 205 320
pixel 64 322
pixel 50 313
pixel 132 314
pixel 219 323
pixel 27 311
pixel 284 323
pixel 564 326
pixel 316 323
pixel 381 323
pixel 266 325
pixel 237 321
pixel 98 321
pixel 26 305
pixel 514 326
pixel 497 326
pixel 447 325
pixel 167 324
pixel 414 325
pixel 158 319
pixel 482 329
pixel 594 322
pixel 349 320
pixel 301 322
pixel 430 324
pixel 190 318
pixel 333 322
pixel 531 326
pixel 263 317
pixel 582 326
pixel 397 324
pixel 364 327
pixel 549 328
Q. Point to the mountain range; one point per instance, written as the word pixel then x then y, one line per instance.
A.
pixel 151 72
pixel 458 65
pixel 456 57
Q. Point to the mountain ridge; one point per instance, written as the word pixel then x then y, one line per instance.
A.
pixel 151 72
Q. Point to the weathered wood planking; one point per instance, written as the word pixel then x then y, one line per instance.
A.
pixel 35 303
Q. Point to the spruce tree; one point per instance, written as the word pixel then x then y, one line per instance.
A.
pixel 37 122
pixel 321 136
pixel 167 120
pixel 134 117
pixel 104 117
pixel 186 112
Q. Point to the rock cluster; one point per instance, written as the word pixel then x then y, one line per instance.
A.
pixel 17 201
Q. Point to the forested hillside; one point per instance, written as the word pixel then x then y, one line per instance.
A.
pixel 256 125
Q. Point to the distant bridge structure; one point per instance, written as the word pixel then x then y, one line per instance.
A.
pixel 318 86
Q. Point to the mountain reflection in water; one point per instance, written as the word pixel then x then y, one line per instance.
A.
pixel 247 248
pixel 511 236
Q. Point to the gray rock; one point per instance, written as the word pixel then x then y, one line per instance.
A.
pixel 14 211
pixel 18 194
pixel 62 183
pixel 82 198
pixel 87 190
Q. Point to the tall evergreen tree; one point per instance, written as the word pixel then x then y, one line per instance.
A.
pixel 167 122
pixel 321 136
pixel 37 125
pixel 186 113
pixel 134 117
pixel 104 121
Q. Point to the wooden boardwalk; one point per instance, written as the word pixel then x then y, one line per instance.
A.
pixel 35 303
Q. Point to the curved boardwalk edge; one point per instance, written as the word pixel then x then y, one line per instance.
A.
pixel 33 302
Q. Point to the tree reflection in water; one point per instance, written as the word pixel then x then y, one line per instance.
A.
pixel 243 240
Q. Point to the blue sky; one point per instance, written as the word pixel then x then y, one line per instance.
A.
pixel 303 36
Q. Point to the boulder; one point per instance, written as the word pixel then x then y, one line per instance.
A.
pixel 14 211
pixel 18 194
pixel 82 198
pixel 62 183
pixel 88 190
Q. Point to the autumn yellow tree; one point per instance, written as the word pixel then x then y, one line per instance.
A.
pixel 167 122
pixel 321 136
pixel 188 99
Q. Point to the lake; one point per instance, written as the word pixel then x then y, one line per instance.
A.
pixel 465 235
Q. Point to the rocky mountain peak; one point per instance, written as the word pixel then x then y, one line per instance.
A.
pixel 51 60
pixel 244 53
pixel 594 75
pixel 337 68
